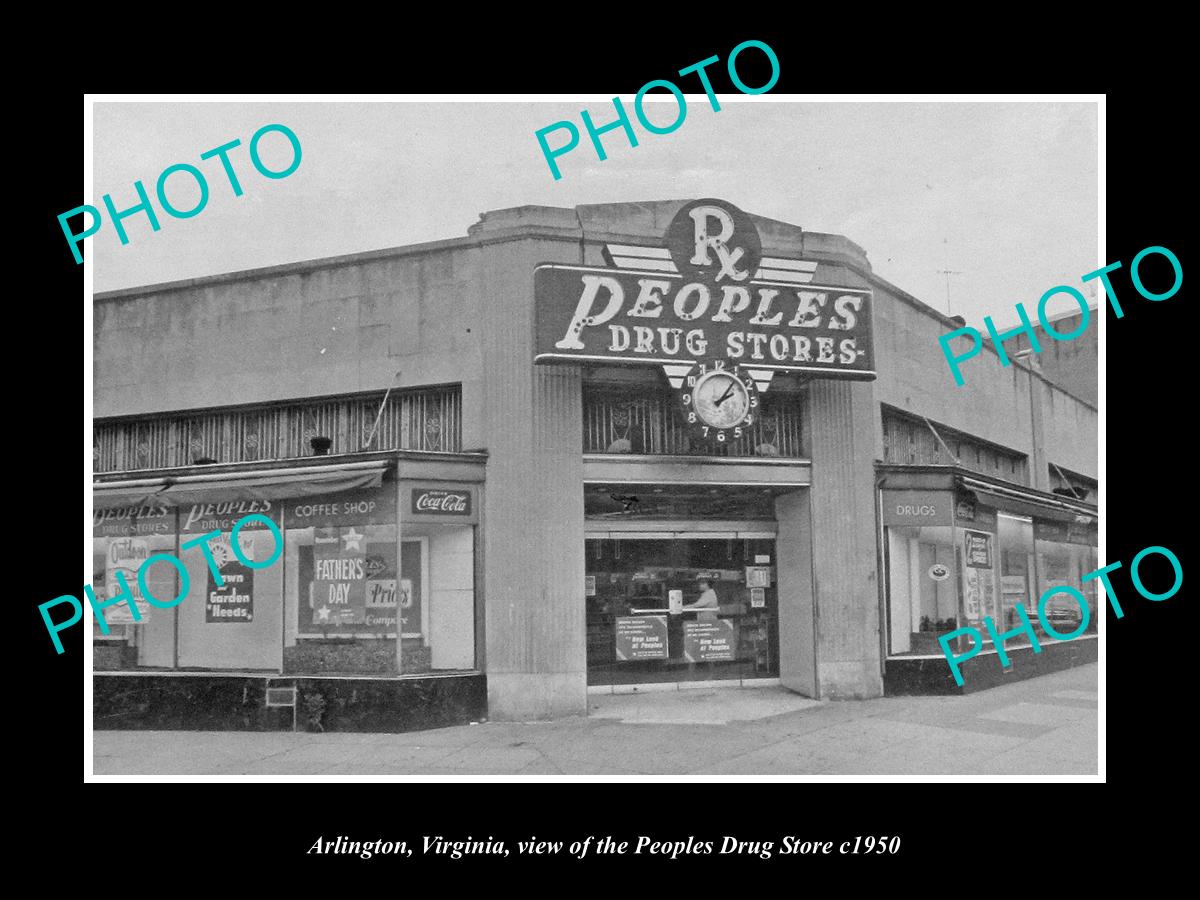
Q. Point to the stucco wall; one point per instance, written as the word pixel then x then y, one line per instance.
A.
pixel 1071 431
pixel 994 401
pixel 1073 365
pixel 282 334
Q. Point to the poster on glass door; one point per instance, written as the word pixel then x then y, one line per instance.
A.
pixel 640 637
pixel 709 641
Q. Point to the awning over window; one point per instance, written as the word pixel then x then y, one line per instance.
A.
pixel 1027 503
pixel 263 484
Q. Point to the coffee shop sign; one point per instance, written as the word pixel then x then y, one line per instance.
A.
pixel 709 293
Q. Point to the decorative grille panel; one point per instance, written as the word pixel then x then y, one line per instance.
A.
pixel 638 420
pixel 428 419
pixel 910 442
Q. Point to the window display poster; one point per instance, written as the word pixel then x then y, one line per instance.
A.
pixel 978 593
pixel 380 588
pixel 973 594
pixel 411 611
pixel 709 641
pixel 233 600
pixel 380 603
pixel 977 546
pixel 126 555
pixel 640 637
pixel 339 586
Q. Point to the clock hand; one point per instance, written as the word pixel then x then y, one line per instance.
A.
pixel 725 396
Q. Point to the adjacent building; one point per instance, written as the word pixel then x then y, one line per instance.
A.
pixel 1073 365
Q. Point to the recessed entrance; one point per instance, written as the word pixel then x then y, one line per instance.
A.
pixel 681 584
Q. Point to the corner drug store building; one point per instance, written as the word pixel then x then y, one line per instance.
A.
pixel 493 501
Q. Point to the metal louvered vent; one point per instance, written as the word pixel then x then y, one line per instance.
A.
pixel 617 420
pixel 427 419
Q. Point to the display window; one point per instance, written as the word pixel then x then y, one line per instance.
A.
pixel 681 608
pixel 923 566
pixel 1017 572
pixel 924 596
pixel 348 581
pixel 357 584
pixel 123 538
pixel 975 529
pixel 952 562
pixel 235 621
pixel 343 584
pixel 439 593
pixel 1066 552
pixel 439 531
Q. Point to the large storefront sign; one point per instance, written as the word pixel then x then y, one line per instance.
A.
pixel 711 298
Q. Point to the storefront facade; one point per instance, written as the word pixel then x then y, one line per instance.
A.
pixel 572 452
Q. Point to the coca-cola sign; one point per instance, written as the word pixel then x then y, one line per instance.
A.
pixel 439 502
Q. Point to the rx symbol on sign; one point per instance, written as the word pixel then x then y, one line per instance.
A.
pixel 706 240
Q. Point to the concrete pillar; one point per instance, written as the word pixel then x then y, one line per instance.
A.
pixel 840 425
pixel 793 549
pixel 1039 475
pixel 532 529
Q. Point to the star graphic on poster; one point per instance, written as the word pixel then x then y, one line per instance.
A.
pixel 353 539
pixel 323 613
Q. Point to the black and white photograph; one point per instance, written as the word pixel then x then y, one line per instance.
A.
pixel 689 434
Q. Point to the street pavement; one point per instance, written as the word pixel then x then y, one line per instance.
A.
pixel 1042 726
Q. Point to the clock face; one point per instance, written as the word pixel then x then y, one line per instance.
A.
pixel 721 399
pixel 719 402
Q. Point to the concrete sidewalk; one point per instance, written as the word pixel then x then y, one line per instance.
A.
pixel 1043 726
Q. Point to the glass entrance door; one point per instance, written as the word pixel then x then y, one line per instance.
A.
pixel 681 606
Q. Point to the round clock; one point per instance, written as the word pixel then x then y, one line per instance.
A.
pixel 719 401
